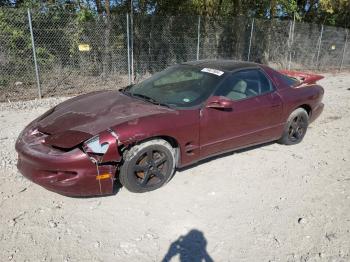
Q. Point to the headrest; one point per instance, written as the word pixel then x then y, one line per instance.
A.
pixel 240 86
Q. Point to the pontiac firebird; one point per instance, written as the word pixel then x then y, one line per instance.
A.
pixel 140 134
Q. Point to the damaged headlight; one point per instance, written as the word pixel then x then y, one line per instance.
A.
pixel 93 146
pixel 103 147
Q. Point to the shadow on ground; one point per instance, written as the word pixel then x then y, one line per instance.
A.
pixel 190 248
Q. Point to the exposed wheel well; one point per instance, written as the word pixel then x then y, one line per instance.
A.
pixel 307 108
pixel 172 141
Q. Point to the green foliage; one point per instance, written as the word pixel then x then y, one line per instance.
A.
pixel 85 15
pixel 60 28
pixel 15 44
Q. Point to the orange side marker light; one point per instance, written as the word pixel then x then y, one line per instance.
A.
pixel 103 176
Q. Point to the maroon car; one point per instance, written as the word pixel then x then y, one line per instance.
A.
pixel 181 115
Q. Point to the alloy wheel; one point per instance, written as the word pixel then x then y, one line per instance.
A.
pixel 297 128
pixel 150 168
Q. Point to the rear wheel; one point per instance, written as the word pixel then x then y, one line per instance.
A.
pixel 296 127
pixel 147 166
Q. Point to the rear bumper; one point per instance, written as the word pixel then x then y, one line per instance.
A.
pixel 68 173
pixel 316 112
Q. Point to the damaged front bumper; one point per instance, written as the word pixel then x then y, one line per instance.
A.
pixel 70 172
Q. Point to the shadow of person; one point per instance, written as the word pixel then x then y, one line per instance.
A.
pixel 191 248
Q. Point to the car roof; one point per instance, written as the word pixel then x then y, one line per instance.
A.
pixel 223 65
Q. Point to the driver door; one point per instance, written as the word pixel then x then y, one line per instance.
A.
pixel 253 117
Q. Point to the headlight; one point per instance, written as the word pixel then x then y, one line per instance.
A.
pixel 93 146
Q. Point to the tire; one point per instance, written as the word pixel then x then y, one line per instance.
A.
pixel 147 166
pixel 295 128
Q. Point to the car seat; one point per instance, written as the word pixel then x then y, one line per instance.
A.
pixel 238 91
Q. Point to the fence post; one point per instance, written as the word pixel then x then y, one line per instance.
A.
pixel 198 35
pixel 344 49
pixel 250 38
pixel 128 44
pixel 319 47
pixel 34 53
pixel 132 43
pixel 290 41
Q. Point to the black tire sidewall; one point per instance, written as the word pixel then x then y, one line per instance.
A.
pixel 285 137
pixel 127 176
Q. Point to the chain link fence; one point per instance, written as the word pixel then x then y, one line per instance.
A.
pixel 75 56
pixel 81 52
pixel 16 56
pixel 162 41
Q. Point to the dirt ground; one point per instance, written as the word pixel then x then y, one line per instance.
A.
pixel 268 203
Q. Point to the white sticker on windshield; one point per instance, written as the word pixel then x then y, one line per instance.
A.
pixel 212 71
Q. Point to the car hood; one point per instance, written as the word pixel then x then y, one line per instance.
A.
pixel 82 117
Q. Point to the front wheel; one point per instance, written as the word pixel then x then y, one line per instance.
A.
pixel 296 127
pixel 147 166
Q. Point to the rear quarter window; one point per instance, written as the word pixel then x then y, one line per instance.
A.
pixel 290 81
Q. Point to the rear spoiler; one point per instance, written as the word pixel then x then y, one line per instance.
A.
pixel 304 78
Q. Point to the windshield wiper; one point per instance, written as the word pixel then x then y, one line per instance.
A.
pixel 126 90
pixel 150 99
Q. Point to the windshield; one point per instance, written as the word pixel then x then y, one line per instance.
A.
pixel 178 86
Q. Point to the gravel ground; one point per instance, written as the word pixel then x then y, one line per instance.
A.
pixel 268 203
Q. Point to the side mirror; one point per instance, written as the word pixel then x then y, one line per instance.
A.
pixel 219 102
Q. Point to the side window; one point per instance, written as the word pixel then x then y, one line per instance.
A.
pixel 245 84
